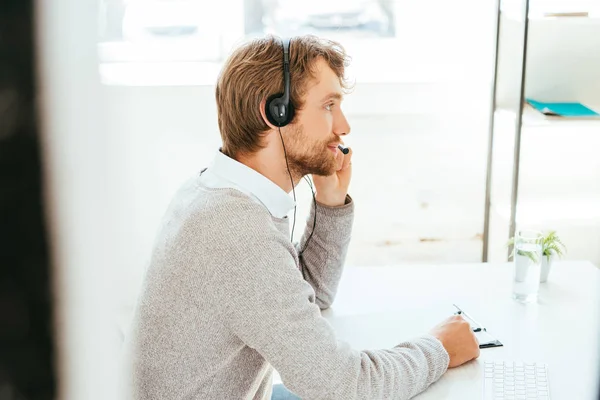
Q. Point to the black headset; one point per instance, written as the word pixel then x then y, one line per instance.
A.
pixel 280 112
pixel 278 108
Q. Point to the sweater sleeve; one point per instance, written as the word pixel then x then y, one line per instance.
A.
pixel 322 259
pixel 261 297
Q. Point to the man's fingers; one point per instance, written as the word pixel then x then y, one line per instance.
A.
pixel 347 159
pixel 339 160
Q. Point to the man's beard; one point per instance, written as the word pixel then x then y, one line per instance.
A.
pixel 309 157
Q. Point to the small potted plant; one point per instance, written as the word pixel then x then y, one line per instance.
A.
pixel 552 247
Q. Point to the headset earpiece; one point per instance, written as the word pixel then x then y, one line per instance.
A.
pixel 277 112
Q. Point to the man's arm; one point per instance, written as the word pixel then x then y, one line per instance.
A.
pixel 262 298
pixel 322 260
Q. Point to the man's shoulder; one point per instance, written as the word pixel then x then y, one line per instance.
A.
pixel 209 223
pixel 213 228
pixel 198 205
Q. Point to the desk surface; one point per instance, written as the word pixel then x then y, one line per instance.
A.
pixel 377 307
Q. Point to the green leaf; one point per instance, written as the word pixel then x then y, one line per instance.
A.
pixel 552 244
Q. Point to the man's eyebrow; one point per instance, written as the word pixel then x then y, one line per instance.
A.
pixel 333 95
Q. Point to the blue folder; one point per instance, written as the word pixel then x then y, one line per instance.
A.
pixel 572 110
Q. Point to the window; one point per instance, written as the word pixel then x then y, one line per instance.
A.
pixel 194 30
pixel 390 40
pixel 185 41
pixel 166 30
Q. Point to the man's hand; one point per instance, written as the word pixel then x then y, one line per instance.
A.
pixel 332 189
pixel 458 339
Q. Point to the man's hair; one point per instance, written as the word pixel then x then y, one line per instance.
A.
pixel 254 72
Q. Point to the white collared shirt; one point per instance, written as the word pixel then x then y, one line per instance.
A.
pixel 225 172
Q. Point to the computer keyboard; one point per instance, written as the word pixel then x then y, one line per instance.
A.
pixel 506 380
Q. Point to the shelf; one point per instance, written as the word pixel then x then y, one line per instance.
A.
pixel 533 118
pixel 538 10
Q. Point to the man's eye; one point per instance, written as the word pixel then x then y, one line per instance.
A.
pixel 329 106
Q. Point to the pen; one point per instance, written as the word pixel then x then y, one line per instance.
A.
pixel 479 329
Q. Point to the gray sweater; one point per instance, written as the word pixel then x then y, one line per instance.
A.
pixel 224 302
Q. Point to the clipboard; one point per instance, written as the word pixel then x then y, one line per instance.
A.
pixel 485 339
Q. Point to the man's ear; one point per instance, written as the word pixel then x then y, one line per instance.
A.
pixel 264 115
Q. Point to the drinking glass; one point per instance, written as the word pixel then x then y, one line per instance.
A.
pixel 527 265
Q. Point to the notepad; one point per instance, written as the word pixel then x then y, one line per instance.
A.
pixel 569 110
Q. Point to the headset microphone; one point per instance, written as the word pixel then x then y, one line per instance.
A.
pixel 343 149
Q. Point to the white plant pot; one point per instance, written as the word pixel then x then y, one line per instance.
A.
pixel 546 264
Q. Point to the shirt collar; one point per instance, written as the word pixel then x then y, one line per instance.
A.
pixel 274 198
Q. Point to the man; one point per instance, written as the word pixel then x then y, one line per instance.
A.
pixel 228 296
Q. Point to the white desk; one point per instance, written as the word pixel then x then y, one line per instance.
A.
pixel 377 307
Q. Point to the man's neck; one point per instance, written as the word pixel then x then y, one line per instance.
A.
pixel 272 165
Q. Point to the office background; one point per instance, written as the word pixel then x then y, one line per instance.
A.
pixel 128 114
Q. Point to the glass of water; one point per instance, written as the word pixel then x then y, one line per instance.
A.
pixel 527 265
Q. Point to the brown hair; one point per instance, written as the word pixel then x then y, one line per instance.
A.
pixel 254 72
